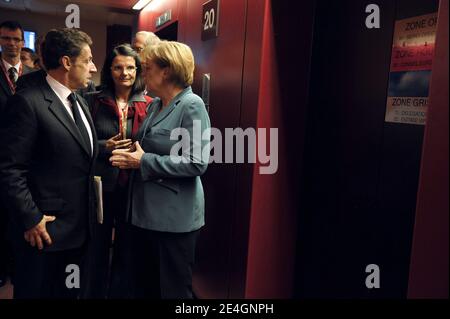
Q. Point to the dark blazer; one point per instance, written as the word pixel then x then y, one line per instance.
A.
pixel 45 169
pixel 31 79
pixel 5 93
pixel 5 90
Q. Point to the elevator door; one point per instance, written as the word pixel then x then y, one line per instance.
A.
pixel 361 174
pixel 169 32
pixel 222 58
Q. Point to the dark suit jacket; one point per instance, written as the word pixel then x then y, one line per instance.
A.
pixel 5 90
pixel 31 79
pixel 5 93
pixel 45 169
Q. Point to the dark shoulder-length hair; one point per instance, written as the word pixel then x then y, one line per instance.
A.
pixel 107 81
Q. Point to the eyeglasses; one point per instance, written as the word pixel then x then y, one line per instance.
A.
pixel 120 69
pixel 15 40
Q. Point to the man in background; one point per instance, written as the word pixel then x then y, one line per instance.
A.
pixel 142 39
pixel 11 69
pixel 11 42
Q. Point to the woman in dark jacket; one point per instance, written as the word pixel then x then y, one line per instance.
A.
pixel 117 111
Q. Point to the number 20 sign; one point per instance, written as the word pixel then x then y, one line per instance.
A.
pixel 210 20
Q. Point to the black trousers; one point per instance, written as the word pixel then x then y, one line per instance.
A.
pixel 5 247
pixel 42 275
pixel 99 251
pixel 162 264
pixel 121 280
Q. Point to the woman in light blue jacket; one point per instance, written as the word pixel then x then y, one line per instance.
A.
pixel 166 201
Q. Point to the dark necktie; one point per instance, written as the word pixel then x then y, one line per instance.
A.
pixel 12 72
pixel 78 121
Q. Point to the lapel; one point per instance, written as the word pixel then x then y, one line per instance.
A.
pixel 165 112
pixel 58 109
pixel 155 105
pixel 85 109
pixel 4 83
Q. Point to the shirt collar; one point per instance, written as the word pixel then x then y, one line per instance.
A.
pixel 8 66
pixel 61 90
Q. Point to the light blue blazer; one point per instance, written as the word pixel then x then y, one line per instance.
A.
pixel 166 193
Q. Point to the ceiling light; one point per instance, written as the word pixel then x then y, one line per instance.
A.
pixel 140 4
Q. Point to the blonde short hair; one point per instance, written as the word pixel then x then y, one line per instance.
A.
pixel 177 57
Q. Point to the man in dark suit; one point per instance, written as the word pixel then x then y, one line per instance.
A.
pixel 46 171
pixel 11 42
pixel 11 69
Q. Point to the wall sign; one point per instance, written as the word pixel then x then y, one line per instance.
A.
pixel 163 18
pixel 411 62
pixel 210 20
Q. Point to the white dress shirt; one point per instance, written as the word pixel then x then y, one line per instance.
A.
pixel 63 92
pixel 8 66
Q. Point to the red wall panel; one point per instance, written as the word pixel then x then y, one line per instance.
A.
pixel 429 260
pixel 273 226
pixel 282 104
pixel 148 15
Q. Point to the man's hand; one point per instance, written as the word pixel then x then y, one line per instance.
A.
pixel 116 142
pixel 38 234
pixel 125 159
